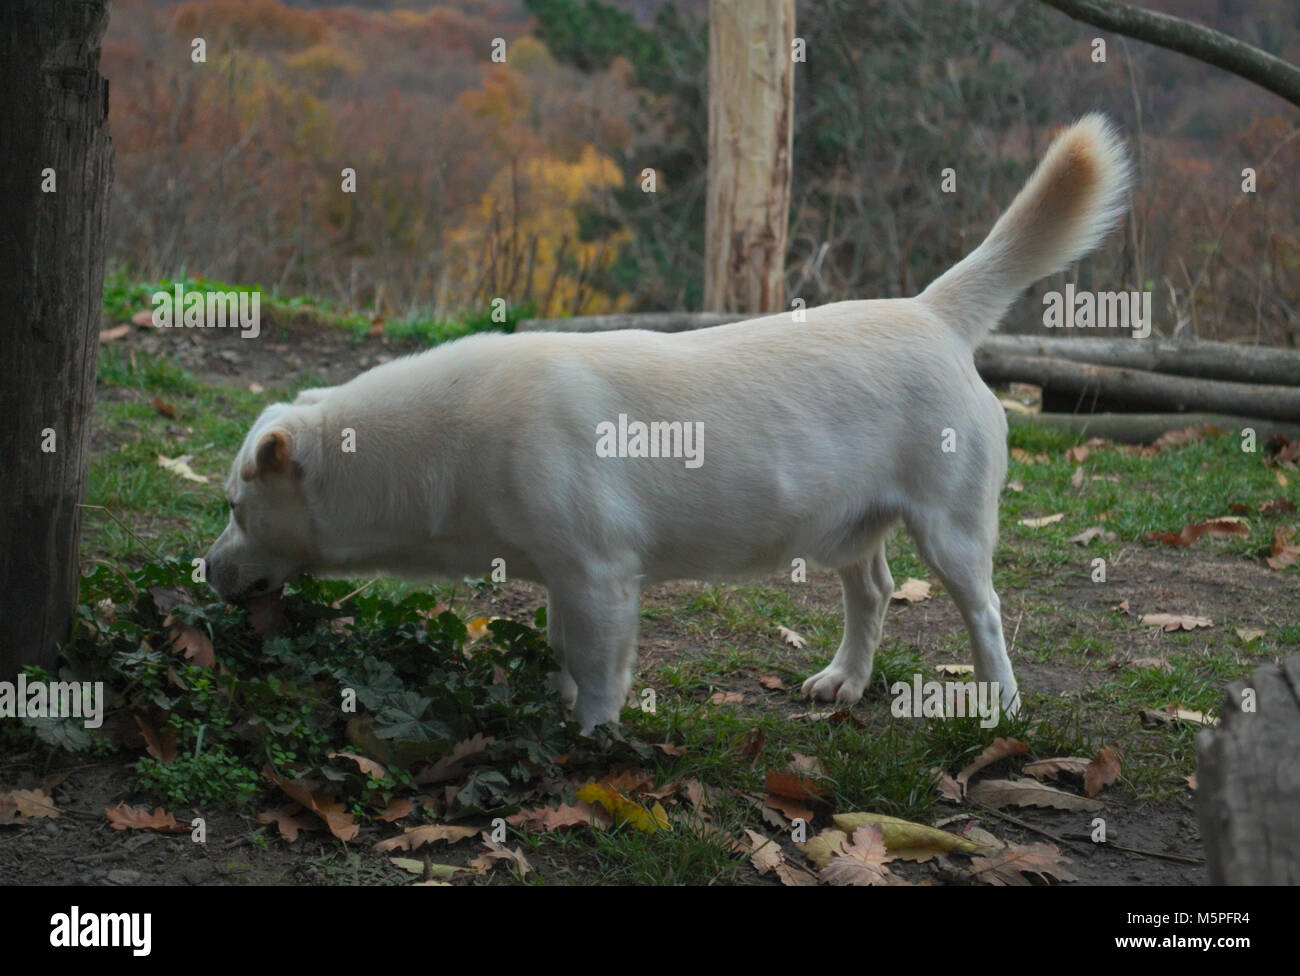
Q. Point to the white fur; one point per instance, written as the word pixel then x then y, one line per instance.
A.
pixel 819 437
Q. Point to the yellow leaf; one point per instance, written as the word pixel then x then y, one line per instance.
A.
pixel 905 839
pixel 623 810
pixel 820 849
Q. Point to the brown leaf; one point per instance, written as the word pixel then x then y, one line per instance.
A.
pixel 1184 435
pixel 451 766
pixel 862 861
pixel 727 698
pixel 191 641
pixel 1121 607
pixel 414 837
pixel 1000 748
pixel 1284 554
pixel 562 817
pixel 163 407
pixel 1027 793
pixel 1087 535
pixel 764 853
pixel 143 317
pixel 752 745
pixel 334 814
pixel 1016 864
pixel 1277 505
pixel 125 817
pixel 791 638
pixel 367 766
pixel 792 785
pixel 912 590
pixel 948 787
pixel 266 614
pixel 290 820
pixel 113 334
pixel 397 810
pixel 160 745
pixel 1102 771
pixel 1051 768
pixel 771 682
pixel 668 749
pixel 17 806
pixel 498 852
pixel 1225 527
pixel 1171 622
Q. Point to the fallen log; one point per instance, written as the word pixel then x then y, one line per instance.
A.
pixel 1088 386
pixel 1144 428
pixel 1248 781
pixel 1204 360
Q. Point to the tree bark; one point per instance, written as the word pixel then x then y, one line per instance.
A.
pixel 1143 428
pixel 751 133
pixel 53 125
pixel 1206 360
pixel 1248 781
pixel 1194 40
pixel 1089 388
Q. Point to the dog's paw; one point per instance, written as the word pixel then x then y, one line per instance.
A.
pixel 835 685
pixel 563 685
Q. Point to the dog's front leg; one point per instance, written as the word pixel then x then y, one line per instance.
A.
pixel 596 618
pixel 562 682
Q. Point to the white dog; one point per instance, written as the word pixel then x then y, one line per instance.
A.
pixel 596 463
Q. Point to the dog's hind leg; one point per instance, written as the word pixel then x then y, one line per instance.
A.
pixel 562 682
pixel 599 622
pixel 959 547
pixel 867 586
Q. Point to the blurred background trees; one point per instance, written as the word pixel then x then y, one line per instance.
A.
pixel 526 179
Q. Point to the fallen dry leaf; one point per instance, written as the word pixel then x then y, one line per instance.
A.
pixel 414 837
pixel 290 820
pixel 181 466
pixel 561 817
pixel 905 839
pixel 1283 553
pixel 955 669
pixel 1171 621
pixel 334 814
pixel 113 334
pixel 1087 535
pixel 160 745
pixel 452 765
pixel 367 766
pixel 912 590
pixel 1248 634
pixel 498 852
pixel 163 407
pixel 1038 523
pixel 130 818
pixel 1102 771
pixel 727 698
pixel 861 860
pixel 191 641
pixel 791 638
pixel 1226 527
pixel 764 853
pixel 1000 748
pixel 1027 793
pixel 772 682
pixel 1017 864
pixel 17 806
pixel 1051 768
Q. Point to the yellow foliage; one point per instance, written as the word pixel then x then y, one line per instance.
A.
pixel 623 810
pixel 326 61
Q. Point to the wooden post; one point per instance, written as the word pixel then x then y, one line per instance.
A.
pixel 751 132
pixel 58 167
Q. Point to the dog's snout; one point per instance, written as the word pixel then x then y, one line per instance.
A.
pixel 260 584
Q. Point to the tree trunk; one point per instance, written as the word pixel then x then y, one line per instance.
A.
pixel 1080 387
pixel 1144 428
pixel 1248 781
pixel 54 129
pixel 751 132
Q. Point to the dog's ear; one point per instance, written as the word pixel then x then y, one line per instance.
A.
pixel 274 455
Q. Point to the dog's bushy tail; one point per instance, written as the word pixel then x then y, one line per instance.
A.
pixel 1074 198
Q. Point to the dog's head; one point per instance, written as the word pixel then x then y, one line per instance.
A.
pixel 270 537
